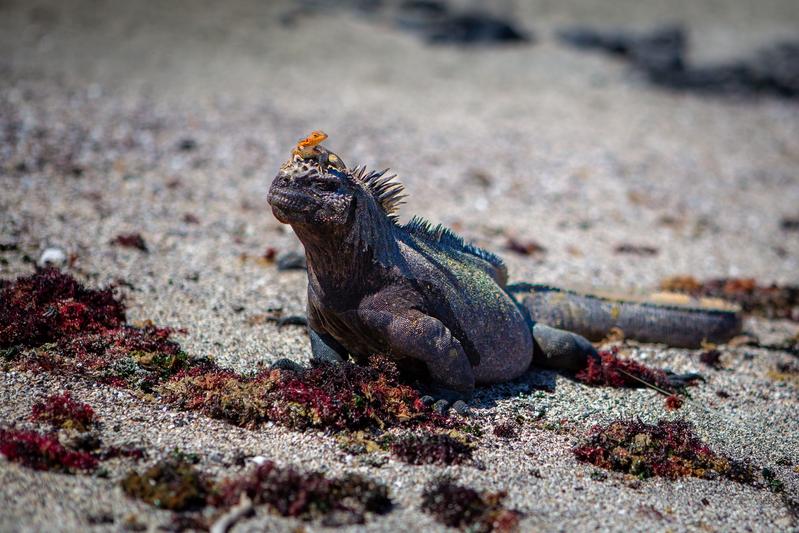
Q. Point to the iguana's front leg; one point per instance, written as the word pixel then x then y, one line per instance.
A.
pixel 412 334
pixel 325 348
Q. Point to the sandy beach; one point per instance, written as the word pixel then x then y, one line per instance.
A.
pixel 170 120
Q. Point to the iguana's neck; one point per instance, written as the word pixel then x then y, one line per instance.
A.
pixel 332 262
pixel 348 259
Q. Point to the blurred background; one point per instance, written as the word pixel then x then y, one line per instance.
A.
pixel 602 143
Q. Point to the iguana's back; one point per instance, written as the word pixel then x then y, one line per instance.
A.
pixel 462 287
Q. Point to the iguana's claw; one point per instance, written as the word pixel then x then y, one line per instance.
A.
pixel 683 380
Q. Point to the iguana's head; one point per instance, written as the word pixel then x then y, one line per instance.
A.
pixel 337 212
pixel 304 192
pixel 320 191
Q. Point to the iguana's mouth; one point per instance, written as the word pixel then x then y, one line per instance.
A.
pixel 285 204
pixel 287 200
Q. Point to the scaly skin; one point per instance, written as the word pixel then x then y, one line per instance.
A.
pixel 682 325
pixel 415 292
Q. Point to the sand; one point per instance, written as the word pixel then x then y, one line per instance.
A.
pixel 539 142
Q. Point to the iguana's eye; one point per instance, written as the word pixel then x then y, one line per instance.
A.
pixel 326 185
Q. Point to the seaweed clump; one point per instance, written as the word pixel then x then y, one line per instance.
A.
pixel 506 430
pixel 63 411
pixel 668 449
pixel 173 484
pixel 611 371
pixel 131 240
pixel 770 301
pixel 126 356
pixel 338 397
pixel 308 496
pixel 711 358
pixel 43 452
pixel 80 450
pixel 48 305
pixel 674 402
pixel 50 322
pixel 431 448
pixel 464 508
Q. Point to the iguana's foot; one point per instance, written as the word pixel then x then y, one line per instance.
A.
pixel 561 350
pixel 325 349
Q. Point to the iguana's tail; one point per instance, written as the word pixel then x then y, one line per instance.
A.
pixel 669 319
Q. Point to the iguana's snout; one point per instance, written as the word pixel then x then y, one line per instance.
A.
pixel 304 193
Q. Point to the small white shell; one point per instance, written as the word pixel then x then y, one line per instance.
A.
pixel 52 257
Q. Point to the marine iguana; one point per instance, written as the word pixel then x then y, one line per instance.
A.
pixel 436 304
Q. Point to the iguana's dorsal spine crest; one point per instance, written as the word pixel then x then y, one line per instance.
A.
pixel 387 193
pixel 442 235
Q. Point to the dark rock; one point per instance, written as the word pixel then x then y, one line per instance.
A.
pixel 461 407
pixel 187 145
pixel 661 55
pixel 441 407
pixel 474 29
pixel 291 261
pixel 286 364
pixel 437 23
pixel 292 320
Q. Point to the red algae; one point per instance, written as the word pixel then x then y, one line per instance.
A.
pixel 64 327
pixel 524 247
pixel 127 357
pixel 506 430
pixel 80 449
pixel 172 484
pixel 130 240
pixel 48 305
pixel 328 396
pixel 431 448
pixel 80 331
pixel 308 496
pixel 175 483
pixel 611 371
pixel 674 402
pixel 62 411
pixel 711 358
pixel 43 452
pixel 464 508
pixel 668 449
